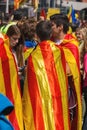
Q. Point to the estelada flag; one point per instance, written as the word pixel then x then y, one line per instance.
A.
pixel 72 15
pixel 9 82
pixel 45 97
pixel 71 51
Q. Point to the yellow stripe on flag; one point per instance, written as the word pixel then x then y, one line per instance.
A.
pixel 27 53
pixel 2 88
pixel 27 108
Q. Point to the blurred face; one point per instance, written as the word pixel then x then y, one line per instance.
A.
pixel 79 35
pixel 14 40
pixel 56 30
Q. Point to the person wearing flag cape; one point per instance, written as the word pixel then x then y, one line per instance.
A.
pixel 69 44
pixel 45 97
pixel 9 82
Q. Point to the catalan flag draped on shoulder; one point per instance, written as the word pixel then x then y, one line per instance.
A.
pixel 71 51
pixel 9 82
pixel 45 98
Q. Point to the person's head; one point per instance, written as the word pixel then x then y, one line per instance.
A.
pixel 13 33
pixel 44 30
pixel 60 23
pixel 81 33
pixel 17 15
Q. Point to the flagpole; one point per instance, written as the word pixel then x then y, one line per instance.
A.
pixel 7 6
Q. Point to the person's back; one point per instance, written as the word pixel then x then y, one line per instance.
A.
pixel 45 98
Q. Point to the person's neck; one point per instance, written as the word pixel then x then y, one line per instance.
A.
pixel 61 36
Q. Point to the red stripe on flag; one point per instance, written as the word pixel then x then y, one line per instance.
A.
pixel 7 81
pixel 35 97
pixel 54 86
pixel 72 47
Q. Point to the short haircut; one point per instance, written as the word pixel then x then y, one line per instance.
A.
pixel 61 19
pixel 18 15
pixel 44 30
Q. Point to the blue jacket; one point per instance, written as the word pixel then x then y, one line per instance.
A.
pixel 30 44
pixel 5 108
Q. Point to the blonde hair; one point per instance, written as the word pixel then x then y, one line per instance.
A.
pixel 84 47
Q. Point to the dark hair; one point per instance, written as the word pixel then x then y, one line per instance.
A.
pixel 61 19
pixel 13 30
pixel 44 30
pixel 18 15
pixel 74 26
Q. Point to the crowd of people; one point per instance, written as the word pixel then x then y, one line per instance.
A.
pixel 43 72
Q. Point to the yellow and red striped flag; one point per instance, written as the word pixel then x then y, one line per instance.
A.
pixel 9 82
pixel 45 97
pixel 17 3
pixel 71 51
pixel 69 15
pixel 27 52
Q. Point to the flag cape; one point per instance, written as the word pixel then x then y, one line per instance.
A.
pixel 45 97
pixel 9 83
pixel 71 51
pixel 27 52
